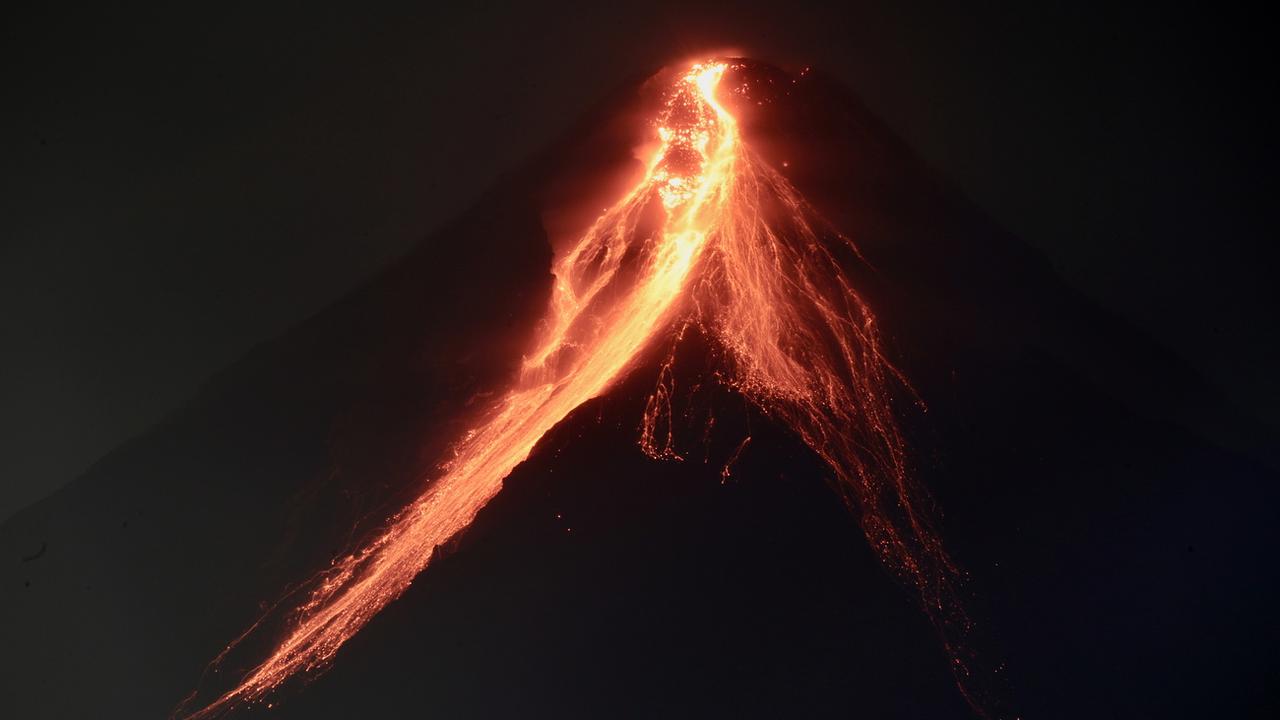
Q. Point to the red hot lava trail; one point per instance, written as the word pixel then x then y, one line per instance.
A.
pixel 738 254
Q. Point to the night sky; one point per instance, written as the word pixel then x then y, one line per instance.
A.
pixel 181 184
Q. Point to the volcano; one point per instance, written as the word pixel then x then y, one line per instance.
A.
pixel 674 536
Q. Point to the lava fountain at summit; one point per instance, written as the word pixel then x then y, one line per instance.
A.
pixel 710 236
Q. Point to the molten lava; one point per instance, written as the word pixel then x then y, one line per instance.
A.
pixel 713 238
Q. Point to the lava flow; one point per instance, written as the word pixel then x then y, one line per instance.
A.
pixel 711 237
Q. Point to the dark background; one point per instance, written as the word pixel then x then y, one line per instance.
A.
pixel 182 183
pixel 187 187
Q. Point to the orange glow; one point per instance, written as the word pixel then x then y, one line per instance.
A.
pixel 736 254
pixel 589 338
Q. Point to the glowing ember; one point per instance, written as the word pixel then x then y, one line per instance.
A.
pixel 737 254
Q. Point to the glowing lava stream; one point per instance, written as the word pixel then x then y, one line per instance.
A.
pixel 588 341
pixel 736 253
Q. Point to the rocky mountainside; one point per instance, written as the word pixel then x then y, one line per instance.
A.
pixel 1119 555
